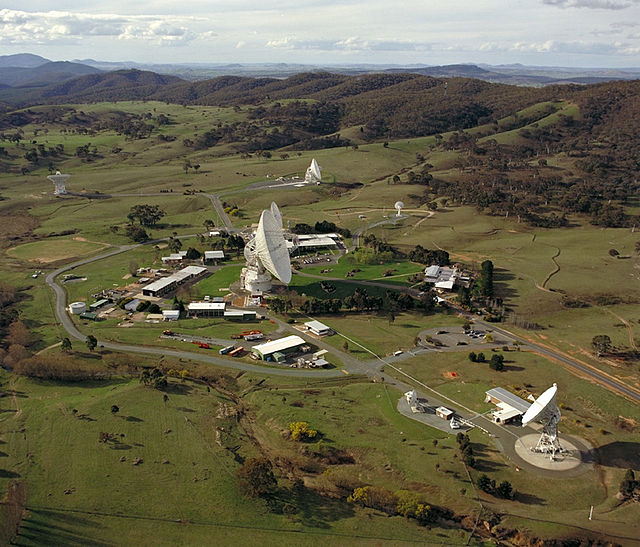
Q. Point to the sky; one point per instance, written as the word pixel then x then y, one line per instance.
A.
pixel 578 33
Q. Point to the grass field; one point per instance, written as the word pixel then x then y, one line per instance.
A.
pixel 193 497
pixel 90 499
pixel 53 250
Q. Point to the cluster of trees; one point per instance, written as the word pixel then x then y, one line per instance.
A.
pixel 256 478
pixel 502 490
pixel 321 227
pixel 465 449
pixel 145 215
pixel 403 502
pixel 496 362
pixel 57 367
pixel 630 487
pixel 429 256
pixel 155 378
pixel 483 285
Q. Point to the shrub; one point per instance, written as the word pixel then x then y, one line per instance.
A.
pixel 300 431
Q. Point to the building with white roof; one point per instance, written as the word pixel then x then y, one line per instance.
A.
pixel 170 315
pixel 317 328
pixel 510 406
pixel 167 284
pixel 444 277
pixel 277 350
pixel 206 309
pixel 210 256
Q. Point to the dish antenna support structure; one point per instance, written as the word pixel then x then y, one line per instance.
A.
pixel 399 206
pixel 314 173
pixel 266 254
pixel 545 411
pixel 59 182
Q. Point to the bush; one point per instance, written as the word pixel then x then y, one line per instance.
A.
pixel 481 358
pixel 473 357
pixel 300 431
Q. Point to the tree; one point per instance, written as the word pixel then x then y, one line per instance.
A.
pixel 146 215
pixel 133 268
pixel 115 409
pixel 256 478
pixel 481 358
pixel 66 345
pixel 484 483
pixel 628 484
pixel 18 333
pixel 137 233
pixel 345 346
pixel 193 253
pixel 497 362
pixel 174 244
pixel 504 490
pixel 601 344
pixel 473 357
pixel 91 342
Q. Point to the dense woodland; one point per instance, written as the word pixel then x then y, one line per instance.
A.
pixel 309 111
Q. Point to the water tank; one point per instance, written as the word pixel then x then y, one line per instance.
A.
pixel 76 308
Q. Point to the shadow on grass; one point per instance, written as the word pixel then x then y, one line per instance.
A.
pixel 133 419
pixel 529 499
pixel 6 474
pixel 621 454
pixel 312 509
pixel 501 277
pixel 45 527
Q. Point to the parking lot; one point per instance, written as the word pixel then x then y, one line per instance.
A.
pixel 456 337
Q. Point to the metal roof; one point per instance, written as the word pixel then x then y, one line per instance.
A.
pixel 195 306
pixel 279 345
pixel 509 398
pixel 316 325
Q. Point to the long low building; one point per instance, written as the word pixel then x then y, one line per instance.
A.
pixel 510 406
pixel 167 284
pixel 206 309
pixel 277 350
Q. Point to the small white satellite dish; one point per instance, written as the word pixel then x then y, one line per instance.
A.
pixel 59 182
pixel 545 411
pixel 399 206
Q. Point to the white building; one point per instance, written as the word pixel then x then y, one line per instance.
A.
pixel 317 328
pixel 444 277
pixel 509 406
pixel 206 309
pixel 170 315
pixel 210 256
pixel 277 350
pixel 167 284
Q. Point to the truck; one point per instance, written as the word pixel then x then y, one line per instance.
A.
pixel 257 336
pixel 236 352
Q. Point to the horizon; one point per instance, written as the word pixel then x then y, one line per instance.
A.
pixel 584 34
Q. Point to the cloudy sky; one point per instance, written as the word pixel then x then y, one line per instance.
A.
pixel 584 33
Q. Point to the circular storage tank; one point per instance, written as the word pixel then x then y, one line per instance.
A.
pixel 76 308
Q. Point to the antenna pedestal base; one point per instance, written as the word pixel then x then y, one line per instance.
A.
pixel 254 281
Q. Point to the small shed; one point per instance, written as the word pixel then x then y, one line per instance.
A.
pixel 91 316
pixel 170 315
pixel 98 304
pixel 444 413
pixel 318 328
pixel 212 256
pixel 132 305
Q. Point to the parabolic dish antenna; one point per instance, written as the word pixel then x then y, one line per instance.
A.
pixel 545 411
pixel 59 182
pixel 266 254
pixel 314 173
pixel 399 206
pixel 541 406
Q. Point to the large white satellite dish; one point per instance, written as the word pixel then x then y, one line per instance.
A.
pixel 266 254
pixel 545 411
pixel 314 173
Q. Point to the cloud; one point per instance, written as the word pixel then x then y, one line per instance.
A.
pixel 592 4
pixel 55 27
pixel 576 47
pixel 350 44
